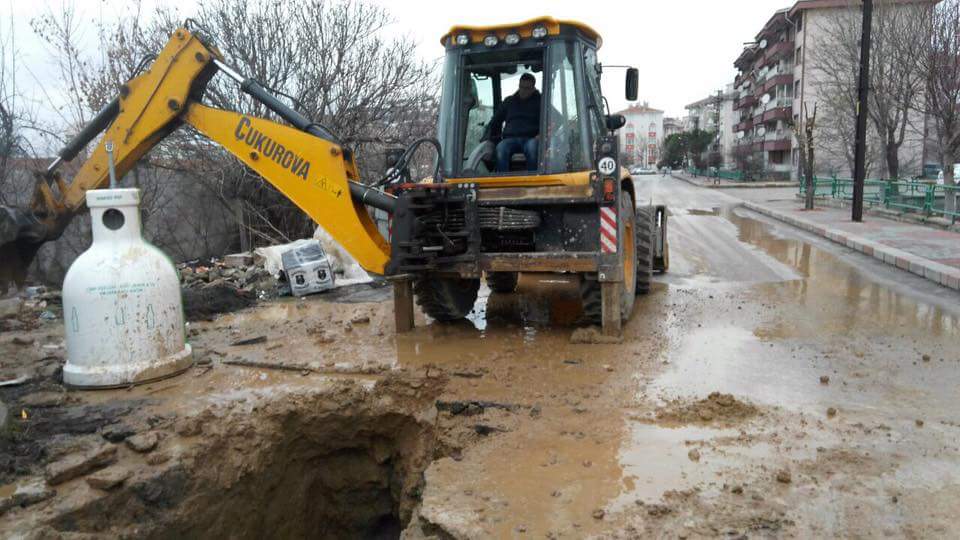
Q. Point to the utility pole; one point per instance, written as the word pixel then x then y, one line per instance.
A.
pixel 860 143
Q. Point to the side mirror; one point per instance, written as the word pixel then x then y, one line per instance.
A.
pixel 633 83
pixel 615 121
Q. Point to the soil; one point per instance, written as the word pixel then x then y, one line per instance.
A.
pixel 715 409
pixel 202 304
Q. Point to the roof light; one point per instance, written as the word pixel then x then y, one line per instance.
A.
pixel 512 38
pixel 463 39
pixel 539 31
pixel 490 40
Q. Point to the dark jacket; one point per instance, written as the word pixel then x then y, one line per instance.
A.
pixel 522 117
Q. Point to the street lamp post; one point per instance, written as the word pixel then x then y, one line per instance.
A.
pixel 860 143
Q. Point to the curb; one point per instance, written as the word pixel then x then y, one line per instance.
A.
pixel 938 273
pixel 933 222
pixel 738 185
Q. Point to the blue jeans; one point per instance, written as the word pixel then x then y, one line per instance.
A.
pixel 507 147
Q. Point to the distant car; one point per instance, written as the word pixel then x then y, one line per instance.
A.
pixel 930 170
pixel 956 175
pixel 642 170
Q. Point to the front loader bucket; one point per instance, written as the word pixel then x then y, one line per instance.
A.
pixel 21 235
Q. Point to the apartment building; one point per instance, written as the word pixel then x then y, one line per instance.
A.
pixel 764 102
pixel 672 125
pixel 716 113
pixel 778 74
pixel 642 135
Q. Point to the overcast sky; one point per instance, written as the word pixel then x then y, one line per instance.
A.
pixel 684 48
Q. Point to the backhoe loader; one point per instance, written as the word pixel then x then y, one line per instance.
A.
pixel 568 208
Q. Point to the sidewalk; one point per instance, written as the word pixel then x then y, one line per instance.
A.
pixel 930 253
pixel 720 183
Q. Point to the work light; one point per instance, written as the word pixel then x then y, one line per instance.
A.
pixel 490 40
pixel 463 39
pixel 512 38
pixel 539 31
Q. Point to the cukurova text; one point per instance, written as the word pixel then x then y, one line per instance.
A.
pixel 271 149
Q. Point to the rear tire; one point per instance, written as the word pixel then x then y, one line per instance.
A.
pixel 645 243
pixel 502 282
pixel 444 298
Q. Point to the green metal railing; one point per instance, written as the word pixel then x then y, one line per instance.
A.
pixel 908 196
pixel 716 173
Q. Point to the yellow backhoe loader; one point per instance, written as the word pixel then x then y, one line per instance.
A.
pixel 566 207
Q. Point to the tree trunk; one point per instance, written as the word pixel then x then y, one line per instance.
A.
pixel 893 160
pixel 811 187
pixel 949 195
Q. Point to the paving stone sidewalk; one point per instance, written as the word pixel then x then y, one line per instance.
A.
pixel 721 183
pixel 930 253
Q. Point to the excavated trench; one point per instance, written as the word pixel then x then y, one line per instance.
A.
pixel 317 466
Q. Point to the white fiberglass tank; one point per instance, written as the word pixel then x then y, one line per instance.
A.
pixel 122 306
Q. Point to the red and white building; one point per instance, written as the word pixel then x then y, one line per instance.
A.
pixel 641 136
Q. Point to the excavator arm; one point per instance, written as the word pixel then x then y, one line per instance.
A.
pixel 305 162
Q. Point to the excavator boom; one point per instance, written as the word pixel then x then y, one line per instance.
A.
pixel 305 162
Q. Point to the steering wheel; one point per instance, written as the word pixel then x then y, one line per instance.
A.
pixel 479 156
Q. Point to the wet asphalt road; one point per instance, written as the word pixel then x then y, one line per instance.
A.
pixel 853 365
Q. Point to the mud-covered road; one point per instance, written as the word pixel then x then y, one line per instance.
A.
pixel 771 385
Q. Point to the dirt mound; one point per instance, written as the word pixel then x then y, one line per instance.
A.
pixel 203 304
pixel 716 408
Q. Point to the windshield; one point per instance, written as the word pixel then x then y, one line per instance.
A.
pixel 513 112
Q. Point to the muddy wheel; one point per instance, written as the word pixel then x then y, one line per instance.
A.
pixel 502 282
pixel 645 243
pixel 590 295
pixel 444 298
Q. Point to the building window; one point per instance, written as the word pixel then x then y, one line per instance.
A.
pixel 796 88
pixel 800 23
pixel 799 57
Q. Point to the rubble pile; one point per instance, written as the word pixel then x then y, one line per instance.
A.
pixel 239 271
pixel 28 308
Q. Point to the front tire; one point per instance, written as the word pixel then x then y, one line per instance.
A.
pixel 446 299
pixel 590 290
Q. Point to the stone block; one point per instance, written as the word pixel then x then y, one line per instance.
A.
pixel 76 465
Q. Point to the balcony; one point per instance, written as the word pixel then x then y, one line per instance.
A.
pixel 777 51
pixel 746 101
pixel 781 139
pixel 778 113
pixel 773 82
pixel 744 125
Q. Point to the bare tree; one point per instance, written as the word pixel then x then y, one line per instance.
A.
pixel 804 133
pixel 941 67
pixel 16 121
pixel 896 82
pixel 328 58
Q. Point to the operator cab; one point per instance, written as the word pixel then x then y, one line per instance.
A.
pixel 483 68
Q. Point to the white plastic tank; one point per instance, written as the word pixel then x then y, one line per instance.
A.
pixel 122 306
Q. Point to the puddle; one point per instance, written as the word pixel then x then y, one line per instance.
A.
pixel 772 342
pixel 541 300
pixel 657 459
